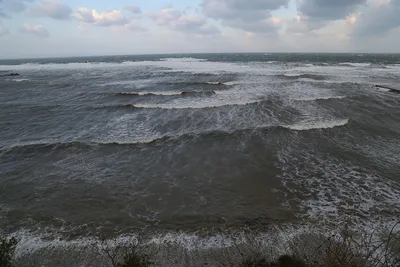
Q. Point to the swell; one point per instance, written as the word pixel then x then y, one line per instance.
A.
pixel 48 147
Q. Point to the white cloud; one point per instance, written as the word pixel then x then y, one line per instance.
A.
pixel 190 24
pixel 91 16
pixel 37 30
pixel 165 16
pixel 53 9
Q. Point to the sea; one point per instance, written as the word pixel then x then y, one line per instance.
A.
pixel 195 143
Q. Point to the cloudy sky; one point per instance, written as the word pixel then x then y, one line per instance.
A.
pixel 49 28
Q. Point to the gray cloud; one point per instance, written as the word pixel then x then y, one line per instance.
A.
pixel 304 25
pixel 3 15
pixel 188 24
pixel 135 28
pixel 3 31
pixel 53 9
pixel 8 7
pixel 253 16
pixel 134 9
pixel 378 20
pixel 328 9
pixel 37 30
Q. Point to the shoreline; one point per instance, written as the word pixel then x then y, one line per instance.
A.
pixel 171 248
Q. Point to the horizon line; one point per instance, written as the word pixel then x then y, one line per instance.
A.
pixel 198 53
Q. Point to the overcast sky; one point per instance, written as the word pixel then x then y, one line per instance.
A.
pixel 51 28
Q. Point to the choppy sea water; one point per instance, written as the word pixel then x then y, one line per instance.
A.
pixel 186 142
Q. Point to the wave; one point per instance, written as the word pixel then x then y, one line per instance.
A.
pixel 19 80
pixel 196 104
pixel 161 93
pixel 141 83
pixel 52 146
pixel 40 244
pixel 166 93
pixel 316 77
pixel 355 64
pixel 223 83
pixel 312 125
pixel 319 98
pixel 205 83
pixel 116 106
pixel 183 59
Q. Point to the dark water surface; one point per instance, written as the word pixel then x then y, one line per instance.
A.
pixel 182 142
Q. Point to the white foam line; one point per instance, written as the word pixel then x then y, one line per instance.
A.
pixel 30 243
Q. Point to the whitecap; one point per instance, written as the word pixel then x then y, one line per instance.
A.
pixel 19 80
pixel 311 125
pixel 223 83
pixel 319 98
pixel 161 93
pixel 355 64
pixel 184 59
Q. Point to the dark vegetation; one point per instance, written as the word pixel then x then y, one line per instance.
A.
pixel 7 248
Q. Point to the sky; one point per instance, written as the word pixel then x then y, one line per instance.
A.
pixel 58 28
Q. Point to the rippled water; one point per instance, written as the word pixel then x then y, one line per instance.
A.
pixel 113 144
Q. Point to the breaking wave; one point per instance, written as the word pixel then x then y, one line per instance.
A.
pixel 316 77
pixel 355 64
pixel 51 146
pixel 311 125
pixel 166 93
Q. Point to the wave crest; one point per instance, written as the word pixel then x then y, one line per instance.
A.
pixel 165 93
pixel 34 147
pixel 316 77
pixel 312 125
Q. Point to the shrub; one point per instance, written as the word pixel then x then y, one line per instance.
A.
pixel 132 254
pixel 135 259
pixel 284 261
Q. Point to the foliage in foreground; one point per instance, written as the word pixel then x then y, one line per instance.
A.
pixel 7 248
pixel 284 261
pixel 133 256
pixel 135 259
